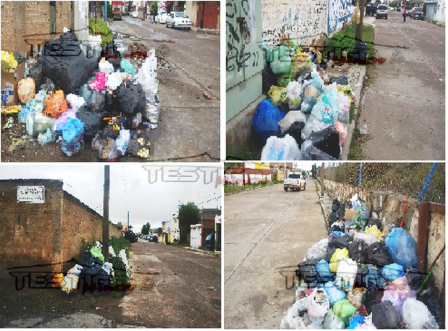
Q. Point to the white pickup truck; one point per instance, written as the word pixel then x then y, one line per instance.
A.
pixel 294 182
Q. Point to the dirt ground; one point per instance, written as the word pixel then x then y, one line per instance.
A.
pixel 174 288
pixel 188 124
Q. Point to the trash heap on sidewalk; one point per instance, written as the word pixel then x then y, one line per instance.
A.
pixel 363 276
pixel 96 274
pixel 307 114
pixel 74 99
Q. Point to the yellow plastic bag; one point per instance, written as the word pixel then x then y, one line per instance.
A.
pixel 356 17
pixel 373 230
pixel 347 91
pixel 336 259
pixel 278 95
pixel 8 61
pixel 26 89
pixel 300 62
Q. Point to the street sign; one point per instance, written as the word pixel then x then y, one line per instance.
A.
pixel 31 194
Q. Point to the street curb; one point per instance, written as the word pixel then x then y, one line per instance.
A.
pixel 251 189
pixel 202 251
pixel 351 126
pixel 206 31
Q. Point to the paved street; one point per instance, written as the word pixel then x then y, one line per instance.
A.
pixel 267 233
pixel 174 288
pixel 404 108
pixel 189 130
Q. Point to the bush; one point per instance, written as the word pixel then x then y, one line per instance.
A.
pixel 97 27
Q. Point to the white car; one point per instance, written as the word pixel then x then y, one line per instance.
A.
pixel 134 14
pixel 161 18
pixel 294 182
pixel 178 20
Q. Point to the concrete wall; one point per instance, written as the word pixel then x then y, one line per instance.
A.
pixel 28 23
pixel 44 233
pixel 191 9
pixel 440 11
pixel 389 207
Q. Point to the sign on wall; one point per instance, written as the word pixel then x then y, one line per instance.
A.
pixel 31 194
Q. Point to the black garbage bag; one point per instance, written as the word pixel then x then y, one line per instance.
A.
pixel 361 274
pixel 371 298
pixel 327 141
pixel 377 222
pixel 96 102
pixel 430 297
pixel 330 252
pixel 340 242
pixel 377 253
pixel 65 64
pixel 415 278
pixel 342 80
pixel 139 140
pixel 93 122
pixel 110 51
pixel 357 250
pixel 385 316
pixel 336 205
pixel 360 51
pixel 88 260
pixel 95 279
pixel 307 272
pixel 295 131
pixel 269 79
pixel 333 218
pixel 48 85
pixel 322 65
pixel 337 227
pixel 131 99
pixel 111 104
pixel 312 153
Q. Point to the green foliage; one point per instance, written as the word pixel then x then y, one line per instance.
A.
pixel 344 41
pixel 146 228
pixel 352 112
pixel 155 8
pixel 97 27
pixel 244 152
pixel 189 214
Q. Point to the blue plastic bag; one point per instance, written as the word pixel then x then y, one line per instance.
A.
pixel 334 293
pixel 391 272
pixel 127 67
pixel 72 136
pixel 374 280
pixel 323 268
pixel 402 248
pixel 266 119
pixel 24 113
pixel 326 108
pixel 355 321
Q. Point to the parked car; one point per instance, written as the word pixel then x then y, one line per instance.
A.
pixel 294 182
pixel 134 14
pixel 416 13
pixel 210 242
pixel 381 11
pixel 371 9
pixel 153 238
pixel 178 20
pixel 161 18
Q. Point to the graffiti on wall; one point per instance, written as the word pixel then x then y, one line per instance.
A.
pixel 338 12
pixel 301 20
pixel 240 38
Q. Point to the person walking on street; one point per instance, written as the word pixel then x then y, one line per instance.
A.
pixel 152 16
pixel 404 14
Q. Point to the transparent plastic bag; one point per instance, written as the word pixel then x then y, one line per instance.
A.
pixel 75 101
pixel 105 66
pixel 393 271
pixel 355 296
pixel 398 292
pixel 334 293
pixel 293 91
pixel 318 250
pixel 26 89
pixel 417 316
pixel 318 305
pixel 294 318
pixel 277 149
pixel 291 117
pixel 331 321
pixel 402 247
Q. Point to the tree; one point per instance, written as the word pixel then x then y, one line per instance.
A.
pixel 189 214
pixel 146 228
pixel 155 8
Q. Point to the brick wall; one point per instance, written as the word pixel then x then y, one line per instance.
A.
pixel 211 15
pixel 27 23
pixel 44 233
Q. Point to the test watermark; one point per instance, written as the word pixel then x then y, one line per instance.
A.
pixel 185 174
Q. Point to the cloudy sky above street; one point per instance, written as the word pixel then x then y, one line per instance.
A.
pixel 130 188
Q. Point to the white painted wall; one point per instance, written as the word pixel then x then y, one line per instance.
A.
pixel 440 11
pixel 195 235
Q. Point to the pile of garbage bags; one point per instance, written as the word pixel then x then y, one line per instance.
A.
pixel 307 114
pixel 363 276
pixel 74 98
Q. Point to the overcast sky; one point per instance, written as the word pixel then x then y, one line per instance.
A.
pixel 130 188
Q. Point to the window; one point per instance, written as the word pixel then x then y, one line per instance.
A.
pixel 294 176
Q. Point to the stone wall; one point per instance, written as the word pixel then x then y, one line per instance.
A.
pixel 44 233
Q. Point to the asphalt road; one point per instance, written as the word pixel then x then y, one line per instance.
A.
pixel 173 288
pixel 404 108
pixel 267 233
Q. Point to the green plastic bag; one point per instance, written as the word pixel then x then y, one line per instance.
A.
pixel 344 310
pixel 331 321
pixel 280 60
pixel 96 252
pixel 127 67
pixel 359 222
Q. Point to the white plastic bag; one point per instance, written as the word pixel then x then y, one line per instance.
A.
pixel 292 320
pixel 148 72
pixel 346 273
pixel 280 149
pixel 417 316
pixel 113 81
pixel 75 101
pixel 331 321
pixel 70 283
pixel 313 125
pixel 105 66
pixel 293 91
pixel 318 305
pixel 291 117
pixel 26 89
pixel 318 250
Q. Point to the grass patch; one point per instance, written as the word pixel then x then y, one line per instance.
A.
pixel 355 152
pixel 233 188
pixel 352 112
pixel 344 41
pixel 244 152
pixel 181 244
pixel 98 27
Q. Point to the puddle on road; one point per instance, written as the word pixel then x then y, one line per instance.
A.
pixel 154 35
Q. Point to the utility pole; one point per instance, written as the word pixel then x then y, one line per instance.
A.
pixel 358 35
pixel 105 11
pixel 128 220
pixel 322 180
pixel 106 213
pixel 203 9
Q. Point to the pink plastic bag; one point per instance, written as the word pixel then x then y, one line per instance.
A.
pixel 99 83
pixel 397 292
pixel 342 132
pixel 60 122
